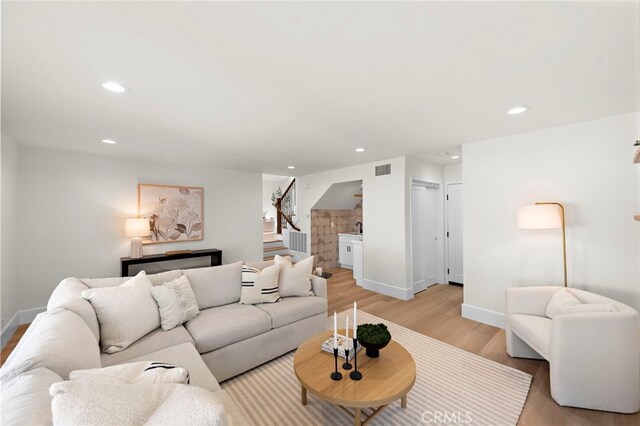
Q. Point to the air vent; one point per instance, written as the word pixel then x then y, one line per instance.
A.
pixel 298 241
pixel 384 169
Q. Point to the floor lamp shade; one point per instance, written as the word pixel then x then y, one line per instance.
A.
pixel 136 228
pixel 540 216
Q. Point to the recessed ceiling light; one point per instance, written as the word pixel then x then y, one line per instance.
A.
pixel 518 110
pixel 443 154
pixel 455 157
pixel 291 167
pixel 114 87
pixel 109 141
pixel 360 150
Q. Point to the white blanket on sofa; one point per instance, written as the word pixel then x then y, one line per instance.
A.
pixel 151 404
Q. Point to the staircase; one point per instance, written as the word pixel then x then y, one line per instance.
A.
pixel 271 248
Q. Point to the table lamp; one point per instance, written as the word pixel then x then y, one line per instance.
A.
pixel 545 215
pixel 136 228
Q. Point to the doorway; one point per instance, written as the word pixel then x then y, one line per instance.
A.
pixel 424 234
pixel 455 273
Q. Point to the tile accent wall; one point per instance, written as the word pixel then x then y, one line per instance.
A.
pixel 325 227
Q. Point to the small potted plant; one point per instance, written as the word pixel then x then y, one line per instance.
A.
pixel 373 337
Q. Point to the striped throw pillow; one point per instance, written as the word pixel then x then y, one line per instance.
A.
pixel 259 286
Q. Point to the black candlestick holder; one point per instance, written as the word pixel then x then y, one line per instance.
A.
pixel 355 374
pixel 346 365
pixel 336 375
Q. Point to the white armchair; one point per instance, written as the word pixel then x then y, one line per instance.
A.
pixel 594 357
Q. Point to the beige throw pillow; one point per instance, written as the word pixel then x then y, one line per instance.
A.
pixel 294 280
pixel 259 286
pixel 563 302
pixel 176 302
pixel 125 313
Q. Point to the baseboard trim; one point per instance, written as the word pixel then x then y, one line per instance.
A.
pixel 388 290
pixel 24 316
pixel 483 315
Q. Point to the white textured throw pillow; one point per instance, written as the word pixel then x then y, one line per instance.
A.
pixel 125 313
pixel 176 302
pixel 294 280
pixel 563 302
pixel 260 286
pixel 78 403
pixel 143 372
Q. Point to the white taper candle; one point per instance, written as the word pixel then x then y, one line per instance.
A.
pixel 335 331
pixel 355 320
pixel 347 334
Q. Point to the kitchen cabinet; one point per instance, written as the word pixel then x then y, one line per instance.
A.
pixel 345 249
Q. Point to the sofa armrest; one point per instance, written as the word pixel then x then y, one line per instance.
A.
pixel 319 286
pixel 597 353
pixel 529 300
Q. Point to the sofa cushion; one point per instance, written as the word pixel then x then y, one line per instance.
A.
pixel 125 313
pixel 216 285
pixel 534 330
pixel 292 309
pixel 176 302
pixel 68 295
pixel 185 355
pixel 221 326
pixel 26 400
pixel 156 279
pixel 152 342
pixel 294 280
pixel 58 340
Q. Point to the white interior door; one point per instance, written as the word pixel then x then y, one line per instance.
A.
pixel 454 233
pixel 424 209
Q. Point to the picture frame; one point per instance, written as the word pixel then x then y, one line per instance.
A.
pixel 175 213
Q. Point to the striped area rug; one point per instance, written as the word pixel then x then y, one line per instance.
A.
pixel 452 387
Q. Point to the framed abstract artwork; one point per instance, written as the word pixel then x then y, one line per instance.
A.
pixel 175 213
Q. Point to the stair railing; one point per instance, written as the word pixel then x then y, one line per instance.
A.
pixel 285 206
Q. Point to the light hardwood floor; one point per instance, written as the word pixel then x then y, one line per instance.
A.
pixel 435 312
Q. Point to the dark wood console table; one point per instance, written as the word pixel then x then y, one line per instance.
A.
pixel 214 255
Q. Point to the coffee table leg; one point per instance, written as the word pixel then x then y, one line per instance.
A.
pixel 403 401
pixel 358 416
pixel 303 395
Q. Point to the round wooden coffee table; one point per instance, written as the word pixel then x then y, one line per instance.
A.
pixel 384 380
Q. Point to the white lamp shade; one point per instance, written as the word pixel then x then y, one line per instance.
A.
pixel 541 216
pixel 137 227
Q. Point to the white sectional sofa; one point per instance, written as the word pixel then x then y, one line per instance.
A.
pixel 221 342
pixel 593 357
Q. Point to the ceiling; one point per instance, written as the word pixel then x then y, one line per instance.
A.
pixel 262 86
pixel 341 196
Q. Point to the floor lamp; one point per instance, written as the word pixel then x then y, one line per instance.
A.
pixel 545 215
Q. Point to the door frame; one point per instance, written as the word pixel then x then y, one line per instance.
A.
pixel 446 226
pixel 440 226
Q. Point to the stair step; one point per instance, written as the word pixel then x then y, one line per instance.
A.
pixel 266 258
pixel 277 248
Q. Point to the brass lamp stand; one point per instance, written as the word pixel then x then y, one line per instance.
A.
pixel 564 241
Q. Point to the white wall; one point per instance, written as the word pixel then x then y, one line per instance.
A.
pixel 383 217
pixel 72 209
pixel 586 166
pixel 453 173
pixel 8 279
